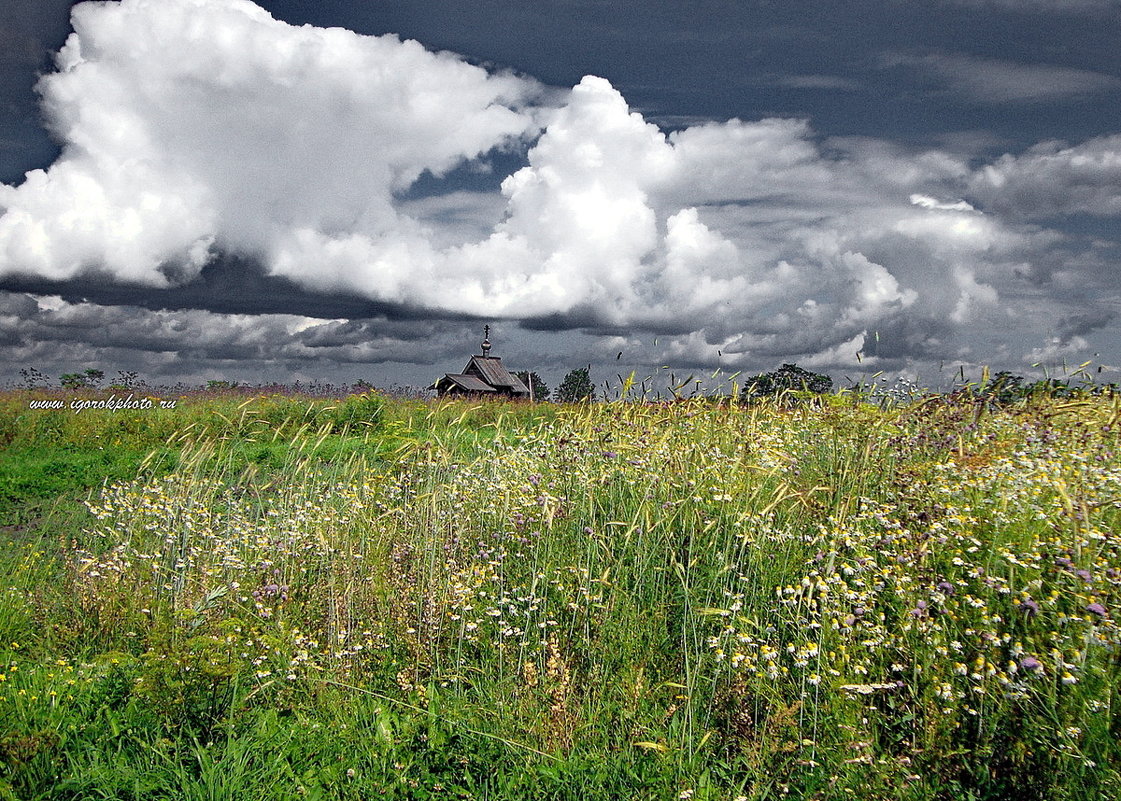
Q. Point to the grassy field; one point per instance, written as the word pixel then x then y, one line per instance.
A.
pixel 284 597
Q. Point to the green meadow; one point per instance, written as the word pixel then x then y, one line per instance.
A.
pixel 297 598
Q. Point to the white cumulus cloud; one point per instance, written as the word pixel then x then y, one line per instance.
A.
pixel 1054 178
pixel 190 125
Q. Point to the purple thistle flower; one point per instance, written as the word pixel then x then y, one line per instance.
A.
pixel 1030 663
pixel 1097 609
pixel 1029 607
pixel 945 587
pixel 1085 575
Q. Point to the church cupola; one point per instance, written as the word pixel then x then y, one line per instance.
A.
pixel 486 341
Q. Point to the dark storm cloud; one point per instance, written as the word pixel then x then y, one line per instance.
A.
pixel 593 321
pixel 32 328
pixel 227 285
pixel 1084 323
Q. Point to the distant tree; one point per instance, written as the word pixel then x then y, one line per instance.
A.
pixel 577 386
pixel 33 379
pixel 87 379
pixel 1004 387
pixel 126 380
pixel 540 388
pixel 788 378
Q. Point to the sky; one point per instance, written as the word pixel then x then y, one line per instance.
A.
pixel 330 190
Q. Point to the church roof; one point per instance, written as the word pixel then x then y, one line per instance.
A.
pixel 468 383
pixel 490 370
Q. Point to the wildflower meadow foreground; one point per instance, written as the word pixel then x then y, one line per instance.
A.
pixel 284 598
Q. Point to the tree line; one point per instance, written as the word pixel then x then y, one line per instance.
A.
pixel 1002 388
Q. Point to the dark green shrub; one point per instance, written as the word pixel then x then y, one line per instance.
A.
pixel 357 412
pixel 788 378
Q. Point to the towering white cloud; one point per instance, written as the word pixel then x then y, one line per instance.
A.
pixel 579 224
pixel 191 125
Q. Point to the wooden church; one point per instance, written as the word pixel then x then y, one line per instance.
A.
pixel 483 375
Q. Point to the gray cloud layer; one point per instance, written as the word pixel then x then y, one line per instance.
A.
pixel 1063 7
pixel 1045 6
pixel 987 80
